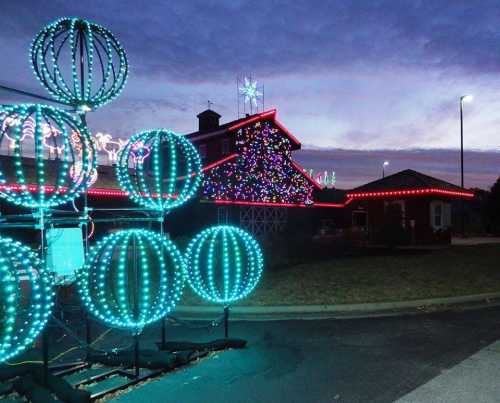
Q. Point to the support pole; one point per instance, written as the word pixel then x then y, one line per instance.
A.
pixel 88 329
pixel 462 205
pixel 226 322
pixel 163 320
pixel 88 336
pixel 136 310
pixel 45 334
pixel 136 354
pixel 45 355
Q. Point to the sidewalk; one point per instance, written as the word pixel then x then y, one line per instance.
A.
pixel 340 311
pixel 476 379
pixel 475 241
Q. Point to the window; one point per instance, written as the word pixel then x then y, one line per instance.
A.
pixel 202 149
pixel 440 215
pixel 225 146
pixel 360 219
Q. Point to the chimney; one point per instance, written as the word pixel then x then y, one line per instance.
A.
pixel 208 121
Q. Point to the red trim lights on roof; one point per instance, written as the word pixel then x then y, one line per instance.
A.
pixel 268 114
pixel 410 192
pixel 216 163
pixel 90 192
pixel 308 177
pixel 272 204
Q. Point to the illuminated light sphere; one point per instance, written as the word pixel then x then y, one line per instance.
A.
pixel 26 298
pixel 79 63
pixel 223 264
pixel 44 143
pixel 131 278
pixel 159 169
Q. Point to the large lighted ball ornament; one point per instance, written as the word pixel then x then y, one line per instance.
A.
pixel 131 278
pixel 223 264
pixel 159 169
pixel 57 141
pixel 26 298
pixel 79 63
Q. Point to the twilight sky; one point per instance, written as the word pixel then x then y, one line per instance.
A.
pixel 357 82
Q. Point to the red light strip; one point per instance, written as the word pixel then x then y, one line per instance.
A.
pixel 91 191
pixel 216 163
pixel 303 172
pixel 255 118
pixel 261 116
pixel 410 192
pixel 285 130
pixel 271 204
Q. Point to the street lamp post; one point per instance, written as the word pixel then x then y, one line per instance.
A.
pixel 463 98
pixel 383 168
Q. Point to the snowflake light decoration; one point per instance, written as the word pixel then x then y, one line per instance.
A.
pixel 250 92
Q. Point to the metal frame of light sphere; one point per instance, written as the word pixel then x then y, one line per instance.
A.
pixel 223 264
pixel 107 288
pixel 97 64
pixel 25 309
pixel 159 169
pixel 58 141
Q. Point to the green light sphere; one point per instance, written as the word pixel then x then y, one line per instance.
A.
pixel 26 298
pixel 80 63
pixel 131 278
pixel 159 169
pixel 46 144
pixel 223 264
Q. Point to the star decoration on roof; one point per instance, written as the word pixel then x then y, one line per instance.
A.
pixel 250 92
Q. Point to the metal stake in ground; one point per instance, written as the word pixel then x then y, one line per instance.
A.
pixel 136 308
pixel 226 322
pixel 45 335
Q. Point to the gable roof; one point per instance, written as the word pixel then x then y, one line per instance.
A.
pixel 408 182
pixel 239 123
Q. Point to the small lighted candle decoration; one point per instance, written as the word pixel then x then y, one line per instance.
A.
pixel 159 169
pixel 223 265
pixel 131 278
pixel 97 70
pixel 26 298
pixel 45 142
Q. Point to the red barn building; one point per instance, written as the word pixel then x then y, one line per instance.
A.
pixel 250 179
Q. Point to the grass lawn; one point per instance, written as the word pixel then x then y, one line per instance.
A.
pixel 452 271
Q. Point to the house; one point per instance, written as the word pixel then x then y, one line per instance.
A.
pixel 408 205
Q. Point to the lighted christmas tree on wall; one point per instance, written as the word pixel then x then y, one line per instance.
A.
pixel 262 172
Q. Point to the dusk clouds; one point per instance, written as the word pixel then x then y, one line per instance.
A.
pixel 362 75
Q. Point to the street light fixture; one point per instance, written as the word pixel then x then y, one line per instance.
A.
pixel 386 163
pixel 463 98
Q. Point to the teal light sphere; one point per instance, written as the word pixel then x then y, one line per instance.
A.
pixel 45 144
pixel 80 63
pixel 26 298
pixel 223 264
pixel 131 278
pixel 159 169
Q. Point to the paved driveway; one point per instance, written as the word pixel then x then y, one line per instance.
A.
pixel 361 360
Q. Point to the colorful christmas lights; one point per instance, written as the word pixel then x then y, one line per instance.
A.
pixel 26 297
pixel 98 64
pixel 223 264
pixel 262 172
pixel 131 278
pixel 74 145
pixel 159 162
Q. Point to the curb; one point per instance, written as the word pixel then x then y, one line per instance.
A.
pixel 341 311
